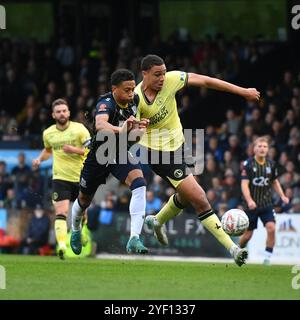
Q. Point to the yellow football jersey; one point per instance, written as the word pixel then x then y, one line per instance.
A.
pixel 165 130
pixel 66 166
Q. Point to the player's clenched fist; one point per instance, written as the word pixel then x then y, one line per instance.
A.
pixel 252 94
pixel 36 163
pixel 144 123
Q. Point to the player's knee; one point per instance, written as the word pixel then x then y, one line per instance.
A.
pixel 61 216
pixel 200 202
pixel 61 210
pixel 270 228
pixel 179 202
pixel 84 200
pixel 137 183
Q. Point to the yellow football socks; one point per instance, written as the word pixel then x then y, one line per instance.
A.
pixel 60 227
pixel 169 211
pixel 212 223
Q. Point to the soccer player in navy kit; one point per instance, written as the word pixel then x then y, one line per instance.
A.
pixel 112 109
pixel 259 176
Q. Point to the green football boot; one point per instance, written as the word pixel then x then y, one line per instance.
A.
pixel 135 245
pixel 75 242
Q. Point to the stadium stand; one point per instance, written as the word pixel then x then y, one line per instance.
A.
pixel 33 74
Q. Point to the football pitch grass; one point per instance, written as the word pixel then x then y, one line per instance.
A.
pixel 34 277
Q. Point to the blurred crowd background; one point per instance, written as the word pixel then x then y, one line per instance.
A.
pixel 33 73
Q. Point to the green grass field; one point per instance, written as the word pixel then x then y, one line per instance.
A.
pixel 31 277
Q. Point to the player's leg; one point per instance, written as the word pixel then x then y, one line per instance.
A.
pixel 189 190
pixel 173 174
pixel 60 226
pixel 61 200
pixel 270 227
pixel 137 209
pixel 157 222
pixel 268 219
pixel 132 175
pixel 171 209
pixel 92 175
pixel 247 235
pixel 81 216
pixel 78 209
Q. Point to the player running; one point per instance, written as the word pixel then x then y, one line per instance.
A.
pixel 259 176
pixel 67 141
pixel 158 104
pixel 112 109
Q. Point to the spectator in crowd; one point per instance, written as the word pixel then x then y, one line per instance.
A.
pixel 233 122
pixel 210 131
pixel 223 136
pixel 158 186
pixel 10 200
pixel 5 181
pixel 211 170
pixel 232 189
pixel 293 147
pixel 123 200
pixel 290 178
pixel 282 162
pixel 153 203
pixel 269 119
pixel 6 123
pixel 273 154
pixel 107 209
pixel 230 163
pixel 21 174
pixel 247 136
pixel 213 198
pixel 295 206
pixel 235 148
pixel 65 54
pixel 278 136
pixel 257 122
pixel 214 149
pixel 38 232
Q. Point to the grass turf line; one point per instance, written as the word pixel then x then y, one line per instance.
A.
pixel 33 277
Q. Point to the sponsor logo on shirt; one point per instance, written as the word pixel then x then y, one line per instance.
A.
pixel 102 107
pixel 159 116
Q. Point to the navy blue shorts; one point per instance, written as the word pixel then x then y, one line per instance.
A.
pixel 266 214
pixel 94 174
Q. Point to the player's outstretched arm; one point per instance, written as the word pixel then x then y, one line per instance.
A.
pixel 217 84
pixel 44 155
pixel 277 187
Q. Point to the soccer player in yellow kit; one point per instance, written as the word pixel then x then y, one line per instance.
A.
pixel 67 141
pixel 157 103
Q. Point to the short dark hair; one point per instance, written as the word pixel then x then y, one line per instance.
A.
pixel 120 76
pixel 151 60
pixel 58 102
